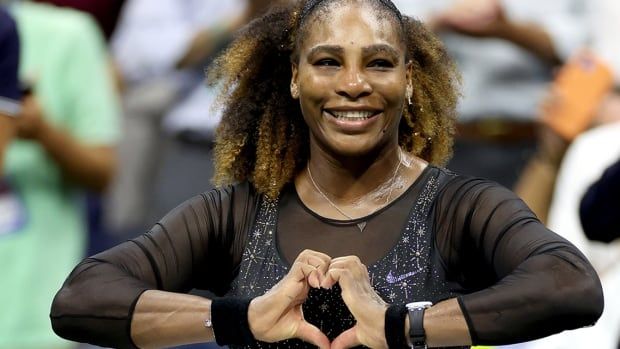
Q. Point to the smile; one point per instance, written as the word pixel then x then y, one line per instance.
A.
pixel 352 115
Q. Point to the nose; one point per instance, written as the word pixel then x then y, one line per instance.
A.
pixel 353 84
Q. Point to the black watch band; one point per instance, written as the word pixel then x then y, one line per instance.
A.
pixel 417 336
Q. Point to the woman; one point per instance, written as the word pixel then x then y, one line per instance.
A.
pixel 342 168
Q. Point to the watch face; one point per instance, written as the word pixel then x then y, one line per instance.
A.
pixel 417 305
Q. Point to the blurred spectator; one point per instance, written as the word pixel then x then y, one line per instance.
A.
pixel 162 48
pixel 9 86
pixel 65 136
pixel 105 12
pixel 585 161
pixel 599 210
pixel 506 51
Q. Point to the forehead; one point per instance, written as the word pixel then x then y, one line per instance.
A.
pixel 351 23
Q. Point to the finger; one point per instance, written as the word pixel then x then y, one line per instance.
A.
pixel 328 281
pixel 347 339
pixel 306 254
pixel 319 260
pixel 320 265
pixel 341 276
pixel 311 334
pixel 310 274
pixel 352 263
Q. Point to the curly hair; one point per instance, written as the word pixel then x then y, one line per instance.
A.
pixel 262 137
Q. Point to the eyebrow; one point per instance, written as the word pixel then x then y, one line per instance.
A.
pixel 366 51
pixel 381 48
pixel 333 49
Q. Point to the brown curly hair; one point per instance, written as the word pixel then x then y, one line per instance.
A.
pixel 263 138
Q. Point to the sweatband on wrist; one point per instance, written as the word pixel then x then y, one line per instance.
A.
pixel 229 317
pixel 395 326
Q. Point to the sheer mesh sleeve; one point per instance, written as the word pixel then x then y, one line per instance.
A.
pixel 197 245
pixel 523 281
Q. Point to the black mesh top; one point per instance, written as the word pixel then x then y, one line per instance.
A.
pixel 446 236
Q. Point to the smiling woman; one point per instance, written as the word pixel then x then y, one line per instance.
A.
pixel 334 224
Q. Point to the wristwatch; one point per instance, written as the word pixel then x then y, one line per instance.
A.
pixel 417 336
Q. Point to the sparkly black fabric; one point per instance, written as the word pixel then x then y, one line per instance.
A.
pixel 446 236
pixel 404 275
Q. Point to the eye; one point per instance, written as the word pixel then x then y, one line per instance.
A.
pixel 381 63
pixel 327 62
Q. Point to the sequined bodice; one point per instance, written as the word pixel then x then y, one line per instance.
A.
pixel 407 273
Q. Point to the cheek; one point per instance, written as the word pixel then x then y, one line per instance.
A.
pixel 313 87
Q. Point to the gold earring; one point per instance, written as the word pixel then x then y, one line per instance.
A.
pixel 409 94
pixel 294 91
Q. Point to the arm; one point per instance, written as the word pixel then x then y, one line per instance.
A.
pixel 209 40
pixel 487 19
pixel 79 136
pixel 444 322
pixel 7 129
pixel 509 261
pixel 165 319
pixel 120 290
pixel 600 205
pixel 87 165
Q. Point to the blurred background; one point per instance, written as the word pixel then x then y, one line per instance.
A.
pixel 115 127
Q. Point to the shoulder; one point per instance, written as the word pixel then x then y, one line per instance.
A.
pixel 67 27
pixel 467 191
pixel 61 19
pixel 224 196
pixel 226 203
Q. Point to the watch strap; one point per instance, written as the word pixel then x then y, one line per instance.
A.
pixel 417 335
pixel 416 328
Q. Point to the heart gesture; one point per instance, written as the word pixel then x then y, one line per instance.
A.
pixel 277 315
pixel 363 302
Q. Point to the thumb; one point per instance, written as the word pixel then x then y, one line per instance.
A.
pixel 311 334
pixel 347 339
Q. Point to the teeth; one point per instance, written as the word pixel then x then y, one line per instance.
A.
pixel 352 115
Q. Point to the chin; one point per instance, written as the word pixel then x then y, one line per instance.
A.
pixel 355 146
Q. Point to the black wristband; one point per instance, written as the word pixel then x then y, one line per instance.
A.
pixel 395 326
pixel 230 321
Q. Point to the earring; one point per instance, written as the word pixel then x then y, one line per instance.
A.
pixel 294 91
pixel 409 94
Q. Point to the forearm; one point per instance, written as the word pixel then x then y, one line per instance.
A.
pixel 206 42
pixel 90 166
pixel 164 319
pixel 7 130
pixel 444 325
pixel 530 37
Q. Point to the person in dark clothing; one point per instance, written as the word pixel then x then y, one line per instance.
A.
pixel 600 206
pixel 334 224
pixel 10 93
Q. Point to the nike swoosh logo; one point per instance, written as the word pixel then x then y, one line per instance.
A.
pixel 391 279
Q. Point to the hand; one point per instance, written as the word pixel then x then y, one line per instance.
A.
pixel 609 111
pixel 477 18
pixel 363 302
pixel 30 124
pixel 277 315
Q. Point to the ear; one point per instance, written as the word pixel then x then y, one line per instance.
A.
pixel 294 81
pixel 409 73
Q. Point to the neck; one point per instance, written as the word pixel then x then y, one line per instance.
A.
pixel 348 178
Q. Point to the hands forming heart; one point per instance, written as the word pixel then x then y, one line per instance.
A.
pixel 277 315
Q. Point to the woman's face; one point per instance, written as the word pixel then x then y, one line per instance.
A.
pixel 351 80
